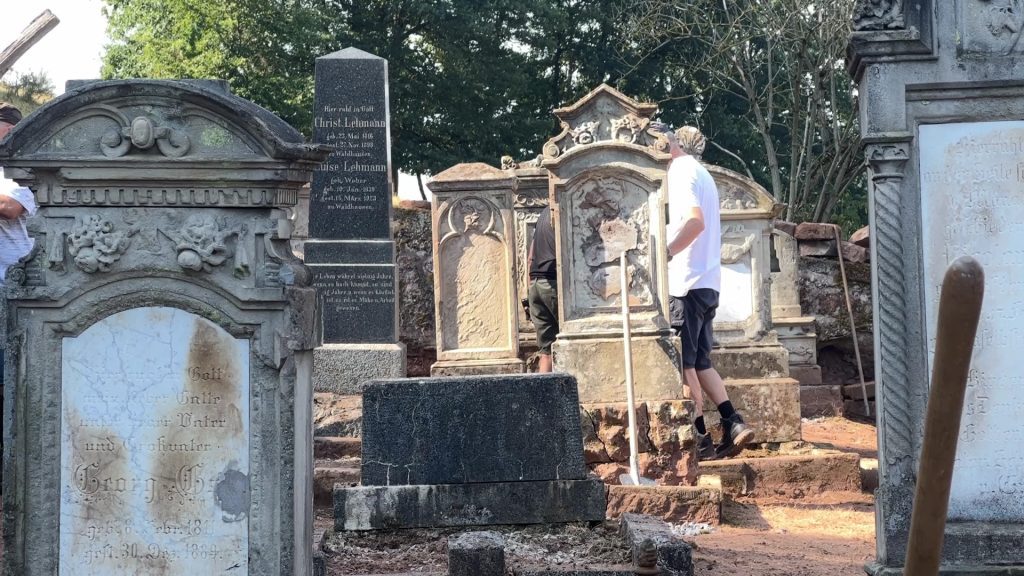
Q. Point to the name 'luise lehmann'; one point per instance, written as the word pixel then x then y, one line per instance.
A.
pixel 347 122
pixel 353 167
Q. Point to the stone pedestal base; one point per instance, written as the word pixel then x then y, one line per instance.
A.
pixel 478 367
pixel 744 363
pixel 820 401
pixel 598 365
pixel 771 406
pixel 483 504
pixel 806 375
pixel 343 368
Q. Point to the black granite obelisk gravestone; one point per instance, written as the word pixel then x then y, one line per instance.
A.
pixel 351 251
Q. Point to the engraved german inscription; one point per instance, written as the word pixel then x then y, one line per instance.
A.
pixel 155 447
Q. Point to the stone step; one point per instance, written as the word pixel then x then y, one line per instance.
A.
pixel 334 447
pixel 327 473
pixel 588 571
pixel 742 363
pixel 787 476
pixel 854 392
pixel 821 400
pixel 855 409
pixel 770 405
pixel 869 474
pixel 670 503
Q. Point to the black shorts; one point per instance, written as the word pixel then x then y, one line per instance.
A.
pixel 691 317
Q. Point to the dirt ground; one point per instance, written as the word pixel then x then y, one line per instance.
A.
pixel 828 535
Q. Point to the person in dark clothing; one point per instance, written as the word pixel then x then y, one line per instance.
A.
pixel 543 295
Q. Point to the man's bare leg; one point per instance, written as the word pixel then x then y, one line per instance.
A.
pixel 711 382
pixel 696 394
pixel 735 433
pixel 544 363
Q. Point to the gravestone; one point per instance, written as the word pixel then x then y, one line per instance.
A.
pixel 351 250
pixel 476 300
pixel 941 123
pixel 470 451
pixel 159 338
pixel 606 179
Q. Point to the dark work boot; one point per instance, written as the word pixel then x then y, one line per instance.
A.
pixel 735 435
pixel 705 447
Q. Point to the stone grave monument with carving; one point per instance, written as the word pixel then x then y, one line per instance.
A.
pixel 159 337
pixel 606 178
pixel 941 107
pixel 474 272
pixel 350 248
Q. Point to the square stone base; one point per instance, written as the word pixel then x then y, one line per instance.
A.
pixel 818 401
pixel 343 368
pixel 599 367
pixel 806 375
pixel 875 569
pixel 771 406
pixel 482 504
pixel 478 367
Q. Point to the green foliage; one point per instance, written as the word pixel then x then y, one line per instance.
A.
pixel 26 91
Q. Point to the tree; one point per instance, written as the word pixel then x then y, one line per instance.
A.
pixel 27 91
pixel 778 67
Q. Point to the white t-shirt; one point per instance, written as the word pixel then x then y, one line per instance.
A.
pixel 14 239
pixel 700 264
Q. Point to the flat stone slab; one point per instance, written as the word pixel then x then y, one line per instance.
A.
pixel 821 401
pixel 788 476
pixel 483 504
pixel 669 503
pixel 771 406
pixel 751 362
pixel 476 554
pixel 592 571
pixel 480 429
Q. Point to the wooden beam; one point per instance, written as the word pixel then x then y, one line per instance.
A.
pixel 28 38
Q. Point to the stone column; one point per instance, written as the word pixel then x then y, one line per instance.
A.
pixel 474 272
pixel 896 437
pixel 351 251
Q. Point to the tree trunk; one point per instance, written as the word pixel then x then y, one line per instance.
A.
pixel 34 33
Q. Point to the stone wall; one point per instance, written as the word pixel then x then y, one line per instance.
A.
pixel 821 296
pixel 411 228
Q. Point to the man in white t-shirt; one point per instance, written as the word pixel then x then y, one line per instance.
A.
pixel 16 204
pixel 694 239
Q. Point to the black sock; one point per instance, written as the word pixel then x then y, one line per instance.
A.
pixel 699 425
pixel 726 409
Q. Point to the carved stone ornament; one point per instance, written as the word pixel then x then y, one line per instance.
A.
pixel 508 163
pixel 585 133
pixel 629 127
pixel 735 244
pixel 604 115
pixel 17 274
pixel 872 15
pixel 142 134
pixel 202 245
pixel 95 245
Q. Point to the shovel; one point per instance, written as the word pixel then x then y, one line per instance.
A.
pixel 633 478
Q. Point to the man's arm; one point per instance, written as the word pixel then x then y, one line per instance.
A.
pixel 688 232
pixel 10 208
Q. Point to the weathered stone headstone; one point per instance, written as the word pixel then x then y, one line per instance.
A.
pixel 941 121
pixel 351 250
pixel 159 338
pixel 474 280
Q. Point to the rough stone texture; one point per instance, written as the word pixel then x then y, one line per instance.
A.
pixel 806 375
pixel 675 556
pixel 818 248
pixel 477 367
pixel 785 227
pixel 670 503
pixel 854 253
pixel 476 554
pixel 598 367
pixel 154 195
pixel 592 571
pixel 789 476
pixel 821 296
pixel 665 441
pixel 815 231
pixel 862 237
pixel 485 504
pixel 346 368
pixel 820 401
pixel 751 362
pixel 771 406
pixel 798 337
pixel 414 258
pixel 471 429
pixel 785 290
pixel 335 415
pixel 474 246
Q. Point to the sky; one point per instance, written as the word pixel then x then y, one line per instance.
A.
pixel 74 49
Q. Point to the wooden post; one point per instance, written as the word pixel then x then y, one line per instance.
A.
pixel 959 310
pixel 28 38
